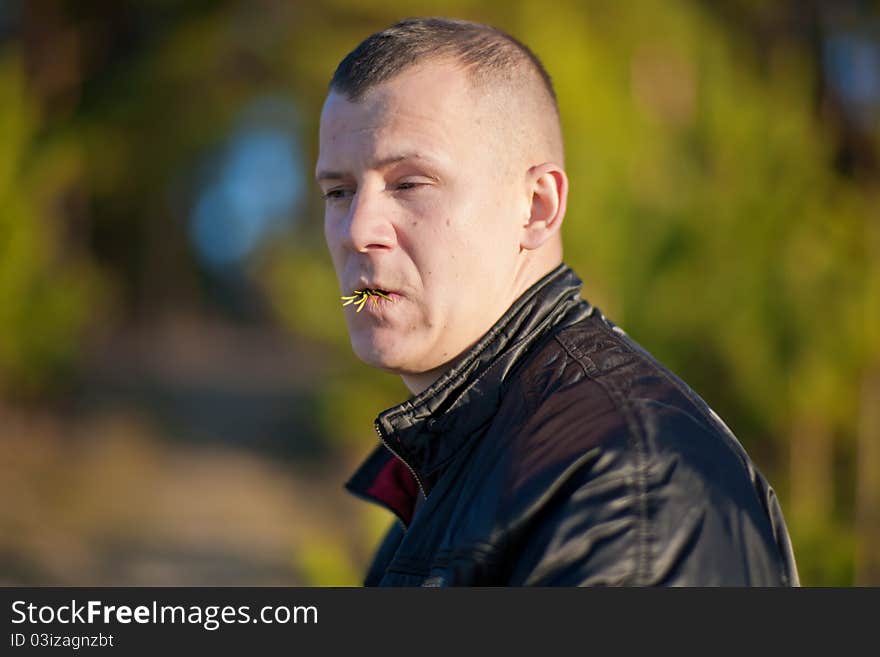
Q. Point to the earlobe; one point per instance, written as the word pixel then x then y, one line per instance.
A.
pixel 549 192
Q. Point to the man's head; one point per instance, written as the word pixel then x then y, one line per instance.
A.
pixel 441 161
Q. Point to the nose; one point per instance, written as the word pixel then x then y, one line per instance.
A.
pixel 369 226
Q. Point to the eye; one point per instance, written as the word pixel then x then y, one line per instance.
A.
pixel 336 193
pixel 405 185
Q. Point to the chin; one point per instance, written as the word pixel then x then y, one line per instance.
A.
pixel 379 354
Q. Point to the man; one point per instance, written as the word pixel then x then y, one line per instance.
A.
pixel 541 445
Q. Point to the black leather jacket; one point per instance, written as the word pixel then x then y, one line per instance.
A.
pixel 559 452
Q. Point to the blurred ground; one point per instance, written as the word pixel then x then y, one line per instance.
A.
pixel 183 462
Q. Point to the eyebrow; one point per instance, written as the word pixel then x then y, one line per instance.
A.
pixel 379 164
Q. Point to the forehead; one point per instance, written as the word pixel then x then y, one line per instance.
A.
pixel 429 107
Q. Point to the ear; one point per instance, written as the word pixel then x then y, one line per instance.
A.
pixel 548 186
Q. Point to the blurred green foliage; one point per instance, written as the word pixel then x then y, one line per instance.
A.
pixel 47 292
pixel 706 215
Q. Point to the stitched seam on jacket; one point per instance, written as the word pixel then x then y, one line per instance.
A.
pixel 479 552
pixel 689 393
pixel 640 441
pixel 403 571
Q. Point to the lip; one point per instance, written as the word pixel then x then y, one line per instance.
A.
pixel 376 305
pixel 375 285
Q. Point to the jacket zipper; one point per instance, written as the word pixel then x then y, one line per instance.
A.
pixel 402 460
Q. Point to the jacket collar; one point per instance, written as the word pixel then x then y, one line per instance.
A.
pixel 426 431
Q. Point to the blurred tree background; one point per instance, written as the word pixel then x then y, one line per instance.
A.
pixel 178 400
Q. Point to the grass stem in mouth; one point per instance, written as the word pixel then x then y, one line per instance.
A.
pixel 360 297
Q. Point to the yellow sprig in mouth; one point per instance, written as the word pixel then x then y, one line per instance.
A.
pixel 360 297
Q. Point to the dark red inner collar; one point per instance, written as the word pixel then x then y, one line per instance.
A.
pixel 396 487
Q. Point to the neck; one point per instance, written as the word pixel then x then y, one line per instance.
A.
pixel 418 382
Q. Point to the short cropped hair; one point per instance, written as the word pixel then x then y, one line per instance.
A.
pixel 485 51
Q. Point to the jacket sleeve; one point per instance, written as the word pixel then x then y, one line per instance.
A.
pixel 586 534
pixel 623 515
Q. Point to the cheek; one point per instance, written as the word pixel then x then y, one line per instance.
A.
pixel 452 240
pixel 423 228
pixel 333 230
pixel 335 250
pixel 330 232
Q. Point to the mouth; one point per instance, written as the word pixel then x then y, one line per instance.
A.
pixel 373 295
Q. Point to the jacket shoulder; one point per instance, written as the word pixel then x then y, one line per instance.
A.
pixel 618 460
pixel 591 385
